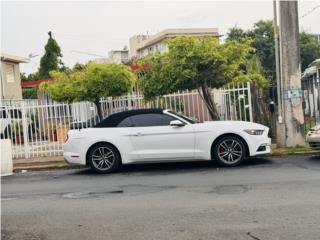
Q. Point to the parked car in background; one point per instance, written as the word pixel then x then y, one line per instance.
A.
pixel 157 135
pixel 313 138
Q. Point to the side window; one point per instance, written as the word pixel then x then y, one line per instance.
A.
pixel 151 120
pixel 166 119
pixel 125 123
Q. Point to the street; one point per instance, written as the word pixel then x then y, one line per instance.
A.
pixel 266 198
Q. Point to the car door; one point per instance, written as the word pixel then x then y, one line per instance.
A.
pixel 154 139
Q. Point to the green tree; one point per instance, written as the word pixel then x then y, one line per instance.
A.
pixel 91 84
pixel 236 34
pixel 29 93
pixel 309 49
pixel 51 60
pixel 262 40
pixel 30 77
pixel 79 67
pixel 193 63
pixel 259 87
pixel 23 77
pixel 262 37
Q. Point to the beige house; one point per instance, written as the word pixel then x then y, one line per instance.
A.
pixel 10 85
pixel 141 45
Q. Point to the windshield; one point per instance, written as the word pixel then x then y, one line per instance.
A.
pixel 189 120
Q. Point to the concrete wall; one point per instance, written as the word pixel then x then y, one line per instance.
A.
pixel 119 56
pixel 10 90
pixel 134 43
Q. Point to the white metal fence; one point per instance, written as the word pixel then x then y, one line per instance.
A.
pixel 37 129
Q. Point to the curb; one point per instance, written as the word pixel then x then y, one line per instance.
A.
pixel 43 166
pixel 57 165
pixel 288 153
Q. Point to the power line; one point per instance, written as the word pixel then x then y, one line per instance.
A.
pixel 306 4
pixel 87 53
pixel 310 11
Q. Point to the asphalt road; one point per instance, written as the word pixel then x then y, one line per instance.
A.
pixel 269 198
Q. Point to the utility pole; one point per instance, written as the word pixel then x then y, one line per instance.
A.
pixel 280 125
pixel 291 131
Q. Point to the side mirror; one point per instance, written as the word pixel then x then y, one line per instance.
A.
pixel 176 123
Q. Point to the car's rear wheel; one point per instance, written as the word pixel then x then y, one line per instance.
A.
pixel 229 151
pixel 104 158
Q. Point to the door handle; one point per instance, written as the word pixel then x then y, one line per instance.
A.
pixel 138 134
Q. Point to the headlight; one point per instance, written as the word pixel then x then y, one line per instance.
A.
pixel 254 131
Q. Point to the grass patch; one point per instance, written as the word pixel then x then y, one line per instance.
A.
pixel 293 150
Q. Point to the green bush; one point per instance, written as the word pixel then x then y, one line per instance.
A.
pixel 29 93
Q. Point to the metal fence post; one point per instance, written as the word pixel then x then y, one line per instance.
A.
pixel 25 130
pixel 249 101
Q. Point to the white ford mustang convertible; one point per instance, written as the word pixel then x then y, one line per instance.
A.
pixel 156 135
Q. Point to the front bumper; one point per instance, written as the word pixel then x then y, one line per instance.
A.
pixel 314 141
pixel 260 145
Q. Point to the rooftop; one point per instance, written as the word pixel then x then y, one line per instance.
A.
pixel 12 58
pixel 174 32
pixel 312 69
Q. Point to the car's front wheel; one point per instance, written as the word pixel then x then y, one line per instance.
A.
pixel 104 158
pixel 229 151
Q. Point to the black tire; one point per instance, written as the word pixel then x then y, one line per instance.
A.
pixel 229 146
pixel 104 158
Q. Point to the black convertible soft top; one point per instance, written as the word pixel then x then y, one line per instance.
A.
pixel 114 119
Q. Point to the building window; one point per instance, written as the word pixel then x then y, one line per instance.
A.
pixel 10 73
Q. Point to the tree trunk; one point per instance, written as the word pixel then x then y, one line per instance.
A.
pixel 99 110
pixel 205 94
pixel 260 107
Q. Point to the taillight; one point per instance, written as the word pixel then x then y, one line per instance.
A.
pixel 66 139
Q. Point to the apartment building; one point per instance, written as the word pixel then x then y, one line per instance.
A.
pixel 114 56
pixel 119 56
pixel 141 45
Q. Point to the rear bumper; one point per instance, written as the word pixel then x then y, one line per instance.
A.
pixel 73 154
pixel 72 158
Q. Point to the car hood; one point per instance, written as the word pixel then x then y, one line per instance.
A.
pixel 236 124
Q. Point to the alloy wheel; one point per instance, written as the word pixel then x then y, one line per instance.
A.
pixel 103 158
pixel 230 151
